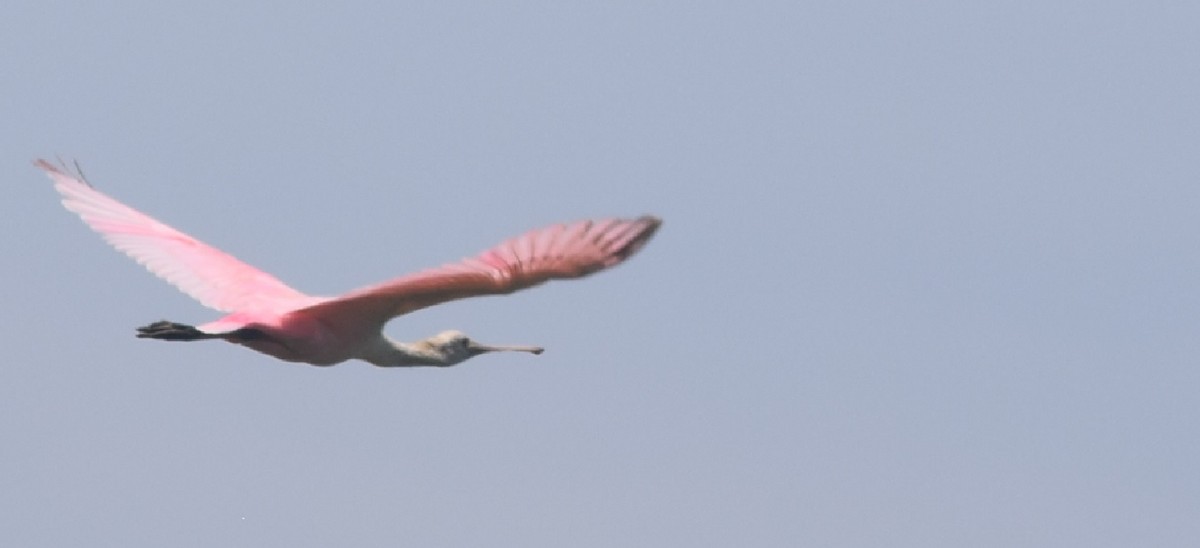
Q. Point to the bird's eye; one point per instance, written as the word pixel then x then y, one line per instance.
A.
pixel 464 342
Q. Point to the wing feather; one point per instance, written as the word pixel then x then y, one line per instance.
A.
pixel 209 275
pixel 555 252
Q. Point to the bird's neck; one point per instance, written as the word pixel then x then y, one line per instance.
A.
pixel 388 353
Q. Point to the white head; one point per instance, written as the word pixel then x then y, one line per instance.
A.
pixel 455 347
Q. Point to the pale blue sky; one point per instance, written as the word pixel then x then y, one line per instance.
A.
pixel 928 274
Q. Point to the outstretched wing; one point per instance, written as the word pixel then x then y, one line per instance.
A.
pixel 209 275
pixel 552 253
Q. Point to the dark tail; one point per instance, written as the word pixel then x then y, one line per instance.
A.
pixel 171 331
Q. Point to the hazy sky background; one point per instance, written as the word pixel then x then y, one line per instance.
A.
pixel 929 273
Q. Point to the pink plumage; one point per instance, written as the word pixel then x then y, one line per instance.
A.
pixel 267 315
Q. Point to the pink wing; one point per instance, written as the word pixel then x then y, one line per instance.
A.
pixel 552 253
pixel 214 278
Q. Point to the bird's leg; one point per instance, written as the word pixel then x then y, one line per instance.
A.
pixel 171 331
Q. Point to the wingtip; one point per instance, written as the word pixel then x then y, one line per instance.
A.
pixel 61 170
pixel 653 223
pixel 43 164
pixel 645 227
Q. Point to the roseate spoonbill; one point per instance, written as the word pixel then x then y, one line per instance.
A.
pixel 272 318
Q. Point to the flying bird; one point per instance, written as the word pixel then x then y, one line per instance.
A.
pixel 266 315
